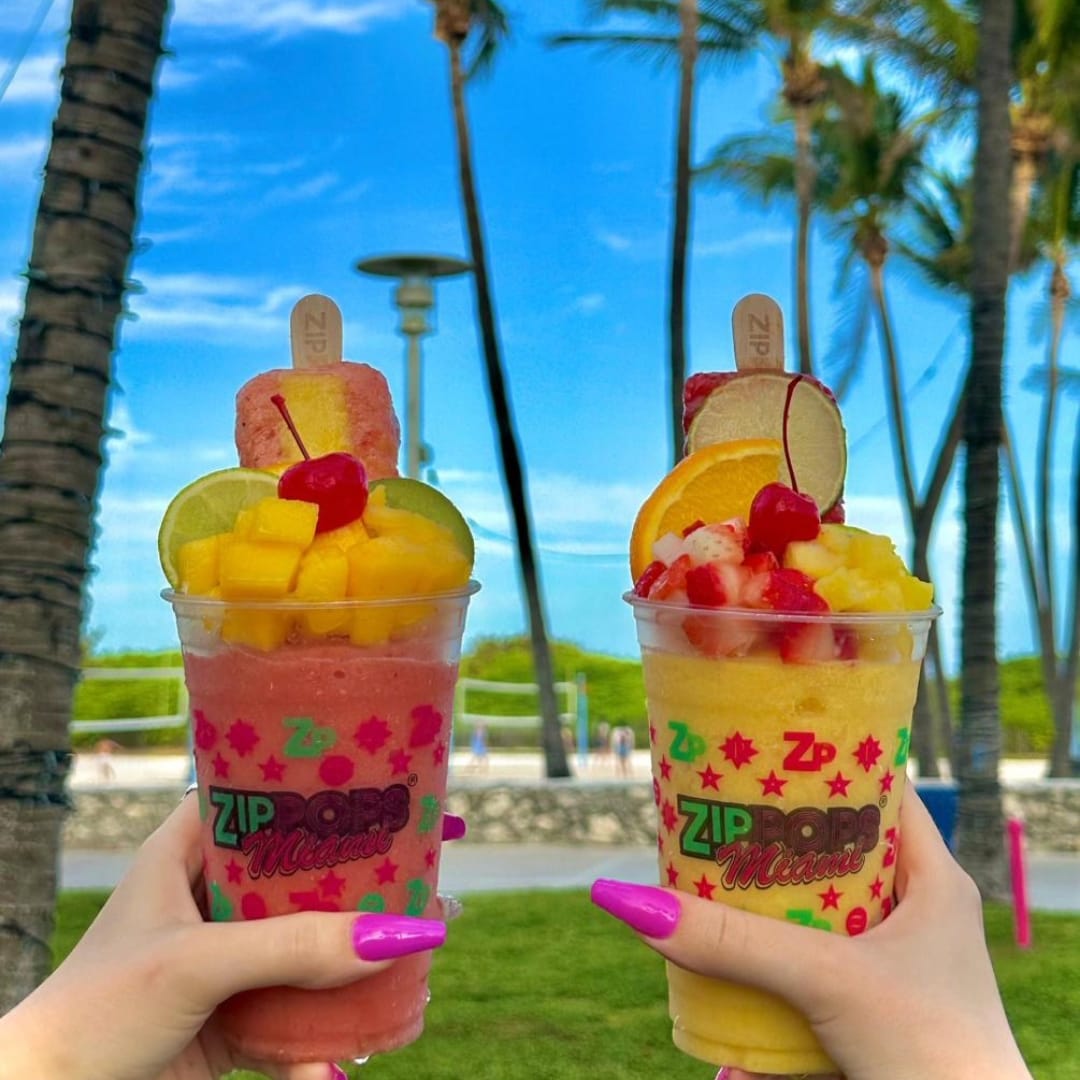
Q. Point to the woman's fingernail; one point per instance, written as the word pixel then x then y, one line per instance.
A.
pixel 385 937
pixel 453 827
pixel 723 1074
pixel 338 1073
pixel 644 908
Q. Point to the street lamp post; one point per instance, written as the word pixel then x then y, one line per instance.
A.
pixel 414 298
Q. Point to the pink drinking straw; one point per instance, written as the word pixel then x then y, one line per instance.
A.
pixel 1021 913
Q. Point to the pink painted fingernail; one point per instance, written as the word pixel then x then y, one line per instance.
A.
pixel 385 937
pixel 723 1074
pixel 338 1073
pixel 453 827
pixel 644 908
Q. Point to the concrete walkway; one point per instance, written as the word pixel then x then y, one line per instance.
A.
pixel 1053 880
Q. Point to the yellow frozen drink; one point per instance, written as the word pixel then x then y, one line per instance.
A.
pixel 781 650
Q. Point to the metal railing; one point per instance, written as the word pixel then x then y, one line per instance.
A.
pixel 136 723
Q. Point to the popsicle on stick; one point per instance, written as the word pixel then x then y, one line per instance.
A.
pixel 339 405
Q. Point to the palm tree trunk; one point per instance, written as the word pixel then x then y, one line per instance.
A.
pixel 980 822
pixel 1025 173
pixel 804 190
pixel 509 454
pixel 50 458
pixel 680 232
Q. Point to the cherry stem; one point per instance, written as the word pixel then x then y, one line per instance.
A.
pixel 787 413
pixel 279 404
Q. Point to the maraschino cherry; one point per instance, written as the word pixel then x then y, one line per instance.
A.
pixel 336 483
pixel 780 514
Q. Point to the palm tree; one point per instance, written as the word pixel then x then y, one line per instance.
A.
pixel 456 21
pixel 871 159
pixel 980 822
pixel 1056 222
pixel 50 458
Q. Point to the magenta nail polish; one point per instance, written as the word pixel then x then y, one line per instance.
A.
pixel 337 1073
pixel 644 908
pixel 723 1074
pixel 453 827
pixel 385 937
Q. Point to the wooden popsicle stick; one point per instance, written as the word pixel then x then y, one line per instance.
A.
pixel 757 324
pixel 315 332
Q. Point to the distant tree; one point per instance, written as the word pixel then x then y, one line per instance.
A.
pixel 1055 224
pixel 50 456
pixel 980 822
pixel 482 24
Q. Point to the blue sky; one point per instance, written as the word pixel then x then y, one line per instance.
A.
pixel 290 138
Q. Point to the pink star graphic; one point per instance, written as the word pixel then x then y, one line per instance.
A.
pixel 386 872
pixel 738 750
pixel 838 785
pixel 672 876
pixel 660 843
pixel 656 791
pixel 439 753
pixel 868 752
pixel 272 769
pixel 331 884
pixel 242 737
pixel 771 784
pixel 665 767
pixel 830 898
pixel 669 816
pixel 427 720
pixel 399 762
pixel 372 734
pixel 310 900
pixel 705 887
pixel 429 858
pixel 875 888
pixel 652 734
pixel 235 872
pixel 221 766
pixel 205 732
pixel 708 777
pixel 886 781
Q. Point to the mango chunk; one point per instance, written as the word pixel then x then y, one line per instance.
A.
pixel 323 575
pixel 284 521
pixel 342 538
pixel 813 559
pixel 264 630
pixel 198 561
pixel 251 570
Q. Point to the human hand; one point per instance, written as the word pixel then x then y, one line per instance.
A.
pixel 135 998
pixel 921 982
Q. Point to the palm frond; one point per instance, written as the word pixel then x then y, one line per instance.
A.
pixel 660 50
pixel 762 164
pixel 848 341
pixel 490 28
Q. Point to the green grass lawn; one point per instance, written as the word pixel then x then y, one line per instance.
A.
pixel 538 985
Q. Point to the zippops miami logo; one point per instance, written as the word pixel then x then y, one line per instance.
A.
pixel 795 822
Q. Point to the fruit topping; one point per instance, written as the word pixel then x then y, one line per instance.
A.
pixel 779 516
pixel 336 483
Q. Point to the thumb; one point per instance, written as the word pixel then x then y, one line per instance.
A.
pixel 722 942
pixel 312 950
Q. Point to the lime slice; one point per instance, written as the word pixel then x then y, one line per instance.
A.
pixel 429 502
pixel 207 506
pixel 750 405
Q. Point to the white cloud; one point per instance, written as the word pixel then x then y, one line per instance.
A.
pixel 286 18
pixel 733 245
pixel 612 240
pixel 179 74
pixel 38 79
pixel 11 299
pixel 125 437
pixel 19 153
pixel 312 188
pixel 589 303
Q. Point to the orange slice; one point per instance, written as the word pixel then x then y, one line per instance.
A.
pixel 712 484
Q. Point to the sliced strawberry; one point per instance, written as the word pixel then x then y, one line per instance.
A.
pixel 672 581
pixel 648 577
pixel 719 637
pixel 761 562
pixel 724 542
pixel 835 514
pixel 847 643
pixel 705 587
pixel 792 590
pixel 668 548
pixel 808 643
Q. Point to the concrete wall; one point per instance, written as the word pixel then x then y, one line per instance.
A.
pixel 555 812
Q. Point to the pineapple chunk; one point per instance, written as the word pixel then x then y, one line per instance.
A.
pixel 875 555
pixel 837 538
pixel 323 575
pixel 813 559
pixel 918 595
pixel 342 538
pixel 285 521
pixel 198 562
pixel 251 570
